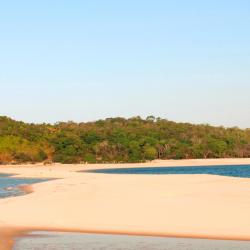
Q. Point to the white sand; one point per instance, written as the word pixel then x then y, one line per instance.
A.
pixel 204 206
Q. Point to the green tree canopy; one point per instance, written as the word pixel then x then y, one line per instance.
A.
pixel 118 140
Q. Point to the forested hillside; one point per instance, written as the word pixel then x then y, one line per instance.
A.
pixel 118 140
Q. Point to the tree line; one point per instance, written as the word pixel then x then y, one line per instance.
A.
pixel 118 140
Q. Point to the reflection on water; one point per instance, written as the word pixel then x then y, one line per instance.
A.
pixel 77 241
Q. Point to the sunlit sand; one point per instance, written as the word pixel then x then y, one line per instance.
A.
pixel 199 206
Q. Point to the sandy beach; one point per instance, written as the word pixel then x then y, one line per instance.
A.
pixel 199 206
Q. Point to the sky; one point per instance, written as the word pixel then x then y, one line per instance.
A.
pixel 186 61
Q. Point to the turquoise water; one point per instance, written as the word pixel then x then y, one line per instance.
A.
pixel 10 186
pixel 77 241
pixel 242 171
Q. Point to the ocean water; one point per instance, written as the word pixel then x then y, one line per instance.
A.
pixel 10 186
pixel 242 171
pixel 77 241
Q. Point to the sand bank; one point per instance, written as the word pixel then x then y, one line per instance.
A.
pixel 201 206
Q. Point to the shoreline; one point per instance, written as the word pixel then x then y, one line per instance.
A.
pixel 208 207
pixel 25 231
pixel 14 234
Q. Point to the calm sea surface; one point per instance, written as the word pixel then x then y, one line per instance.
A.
pixel 9 186
pixel 75 241
pixel 242 171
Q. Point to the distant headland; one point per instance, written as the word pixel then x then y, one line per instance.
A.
pixel 118 140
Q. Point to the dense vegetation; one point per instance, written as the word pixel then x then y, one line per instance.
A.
pixel 118 140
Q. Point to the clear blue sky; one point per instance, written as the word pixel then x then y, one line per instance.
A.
pixel 85 60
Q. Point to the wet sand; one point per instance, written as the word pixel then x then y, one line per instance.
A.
pixel 76 241
pixel 7 238
pixel 199 206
